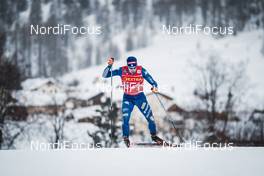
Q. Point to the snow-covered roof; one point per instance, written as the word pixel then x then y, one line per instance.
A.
pixel 31 84
pixel 36 98
pixel 82 94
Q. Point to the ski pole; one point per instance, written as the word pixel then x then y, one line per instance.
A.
pixel 111 104
pixel 169 117
pixel 111 95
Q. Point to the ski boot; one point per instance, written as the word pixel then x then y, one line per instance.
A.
pixel 127 142
pixel 158 140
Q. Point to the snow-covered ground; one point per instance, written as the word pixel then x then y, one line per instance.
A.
pixel 132 162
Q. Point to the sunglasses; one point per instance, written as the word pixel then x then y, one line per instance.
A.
pixel 131 65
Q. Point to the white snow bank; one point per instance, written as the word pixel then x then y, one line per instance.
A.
pixel 131 162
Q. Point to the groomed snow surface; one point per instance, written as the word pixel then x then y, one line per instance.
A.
pixel 133 162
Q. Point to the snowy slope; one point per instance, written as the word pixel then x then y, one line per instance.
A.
pixel 132 162
pixel 168 60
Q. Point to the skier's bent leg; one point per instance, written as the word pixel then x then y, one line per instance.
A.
pixel 127 108
pixel 145 109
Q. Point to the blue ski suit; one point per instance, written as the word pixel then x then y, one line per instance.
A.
pixel 129 101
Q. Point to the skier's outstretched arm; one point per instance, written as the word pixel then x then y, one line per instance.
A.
pixel 149 78
pixel 107 72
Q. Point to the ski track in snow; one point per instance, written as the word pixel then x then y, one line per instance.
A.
pixel 130 162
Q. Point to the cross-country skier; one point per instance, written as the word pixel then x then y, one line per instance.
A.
pixel 133 77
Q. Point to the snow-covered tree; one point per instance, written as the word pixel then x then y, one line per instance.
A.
pixel 219 88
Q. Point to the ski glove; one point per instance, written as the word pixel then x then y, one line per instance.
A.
pixel 110 61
